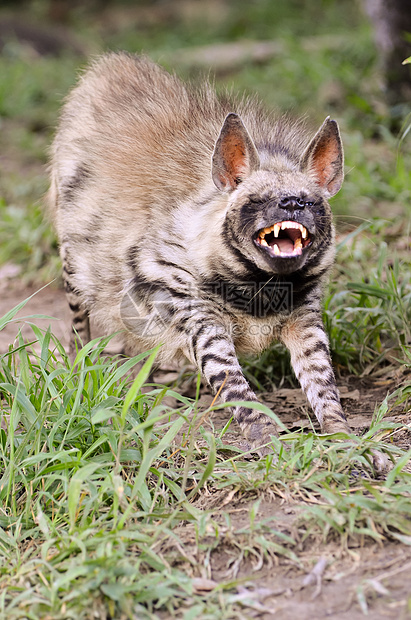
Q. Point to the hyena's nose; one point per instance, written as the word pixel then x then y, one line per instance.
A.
pixel 292 202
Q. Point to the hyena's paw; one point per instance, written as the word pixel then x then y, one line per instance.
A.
pixel 72 351
pixel 258 430
pixel 381 463
pixel 331 426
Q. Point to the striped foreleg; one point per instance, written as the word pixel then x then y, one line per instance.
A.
pixel 307 342
pixel 212 349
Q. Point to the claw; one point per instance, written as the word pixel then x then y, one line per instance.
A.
pixel 381 463
pixel 259 434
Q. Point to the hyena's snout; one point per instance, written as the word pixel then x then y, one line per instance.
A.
pixel 287 235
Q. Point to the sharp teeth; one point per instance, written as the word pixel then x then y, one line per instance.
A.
pixel 275 228
pixel 276 249
pixel 285 225
pixel 298 244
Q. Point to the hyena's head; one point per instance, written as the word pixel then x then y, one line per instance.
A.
pixel 278 217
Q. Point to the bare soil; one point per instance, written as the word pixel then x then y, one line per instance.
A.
pixel 330 582
pixel 332 579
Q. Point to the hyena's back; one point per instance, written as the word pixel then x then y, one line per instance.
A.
pixel 131 144
pixel 149 135
pixel 139 127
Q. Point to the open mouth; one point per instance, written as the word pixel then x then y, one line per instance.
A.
pixel 284 239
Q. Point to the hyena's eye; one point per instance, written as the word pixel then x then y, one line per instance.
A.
pixel 308 204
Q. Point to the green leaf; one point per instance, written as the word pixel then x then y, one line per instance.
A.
pixel 211 461
pixel 138 383
pixel 139 484
pixel 75 486
pixel 368 289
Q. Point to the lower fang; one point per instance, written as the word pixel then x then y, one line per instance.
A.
pixel 263 242
pixel 297 244
pixel 276 249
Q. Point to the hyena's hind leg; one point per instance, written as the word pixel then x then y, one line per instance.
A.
pixel 80 322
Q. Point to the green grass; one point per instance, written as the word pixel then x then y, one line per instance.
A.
pixel 368 312
pixel 115 495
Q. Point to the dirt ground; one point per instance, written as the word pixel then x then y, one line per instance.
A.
pixel 332 579
pixel 330 583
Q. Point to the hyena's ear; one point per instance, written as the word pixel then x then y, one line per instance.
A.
pixel 324 158
pixel 235 156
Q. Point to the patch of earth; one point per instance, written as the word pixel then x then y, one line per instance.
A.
pixel 330 579
pixel 48 301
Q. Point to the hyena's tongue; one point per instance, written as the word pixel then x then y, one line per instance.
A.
pixel 284 245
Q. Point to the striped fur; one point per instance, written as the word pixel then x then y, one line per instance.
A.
pixel 161 194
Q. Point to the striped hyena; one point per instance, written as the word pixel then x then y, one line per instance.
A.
pixel 199 222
